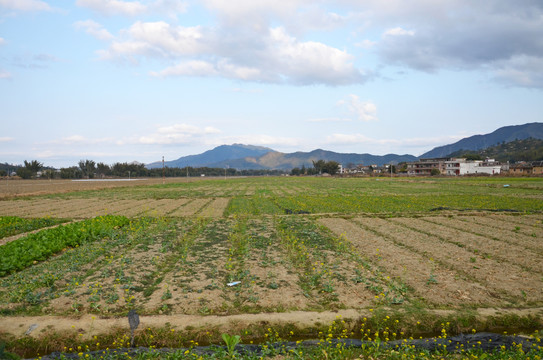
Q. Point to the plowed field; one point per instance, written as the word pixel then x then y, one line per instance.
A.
pixel 245 246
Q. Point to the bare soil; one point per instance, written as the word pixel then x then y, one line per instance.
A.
pixel 506 280
pixel 481 247
pixel 411 268
pixel 10 189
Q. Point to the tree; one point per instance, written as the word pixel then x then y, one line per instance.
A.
pixel 49 173
pixel 32 168
pixel 318 165
pixel 331 167
pixel 103 169
pixel 295 171
pixel 24 173
pixel 88 167
pixel 70 173
pixel 435 171
pixel 472 156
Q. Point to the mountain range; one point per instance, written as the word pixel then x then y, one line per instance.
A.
pixel 257 157
pixel 250 157
pixel 477 142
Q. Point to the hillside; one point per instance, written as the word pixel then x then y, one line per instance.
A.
pixel 477 142
pixel 519 150
pixel 247 157
pixel 286 161
pixel 211 157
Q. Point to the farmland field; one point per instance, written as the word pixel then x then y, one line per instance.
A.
pixel 300 251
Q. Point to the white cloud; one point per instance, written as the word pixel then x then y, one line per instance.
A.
pixel 114 7
pixel 362 110
pixel 310 62
pixel 269 41
pixel 157 39
pixel 176 134
pixel 276 57
pixel 6 139
pixel 500 37
pixel 524 71
pixel 5 74
pixel 204 68
pixel 134 8
pixel 254 14
pixel 25 5
pixel 93 28
pixel 2 41
pixel 398 31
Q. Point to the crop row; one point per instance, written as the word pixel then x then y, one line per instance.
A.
pixel 23 252
pixel 13 225
pixel 347 204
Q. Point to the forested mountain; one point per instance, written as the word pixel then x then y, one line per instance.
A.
pixel 216 155
pixel 519 150
pixel 477 142
pixel 254 157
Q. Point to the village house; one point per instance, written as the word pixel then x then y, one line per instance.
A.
pixel 425 166
pixel 454 167
pixel 526 168
pixel 469 167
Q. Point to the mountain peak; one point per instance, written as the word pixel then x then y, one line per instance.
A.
pixel 211 157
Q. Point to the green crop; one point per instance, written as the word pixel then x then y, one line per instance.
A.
pixel 21 253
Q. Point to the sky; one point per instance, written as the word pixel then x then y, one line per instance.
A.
pixel 118 80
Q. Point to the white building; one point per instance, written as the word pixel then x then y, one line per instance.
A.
pixel 469 167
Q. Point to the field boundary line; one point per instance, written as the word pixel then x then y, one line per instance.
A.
pixel 17 325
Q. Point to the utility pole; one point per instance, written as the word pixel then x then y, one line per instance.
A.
pixel 163 178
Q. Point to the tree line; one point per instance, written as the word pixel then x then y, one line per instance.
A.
pixel 89 169
pixel 319 167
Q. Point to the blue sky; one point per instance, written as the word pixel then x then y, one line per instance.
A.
pixel 119 80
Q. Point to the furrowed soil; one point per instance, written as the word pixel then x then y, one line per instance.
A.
pixel 220 254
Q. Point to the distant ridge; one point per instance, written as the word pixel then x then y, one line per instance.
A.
pixel 211 157
pixel 478 142
pixel 249 157
pixel 282 161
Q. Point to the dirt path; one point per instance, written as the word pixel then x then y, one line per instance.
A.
pixel 90 325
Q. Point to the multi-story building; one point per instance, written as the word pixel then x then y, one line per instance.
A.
pixel 425 166
pixel 466 167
